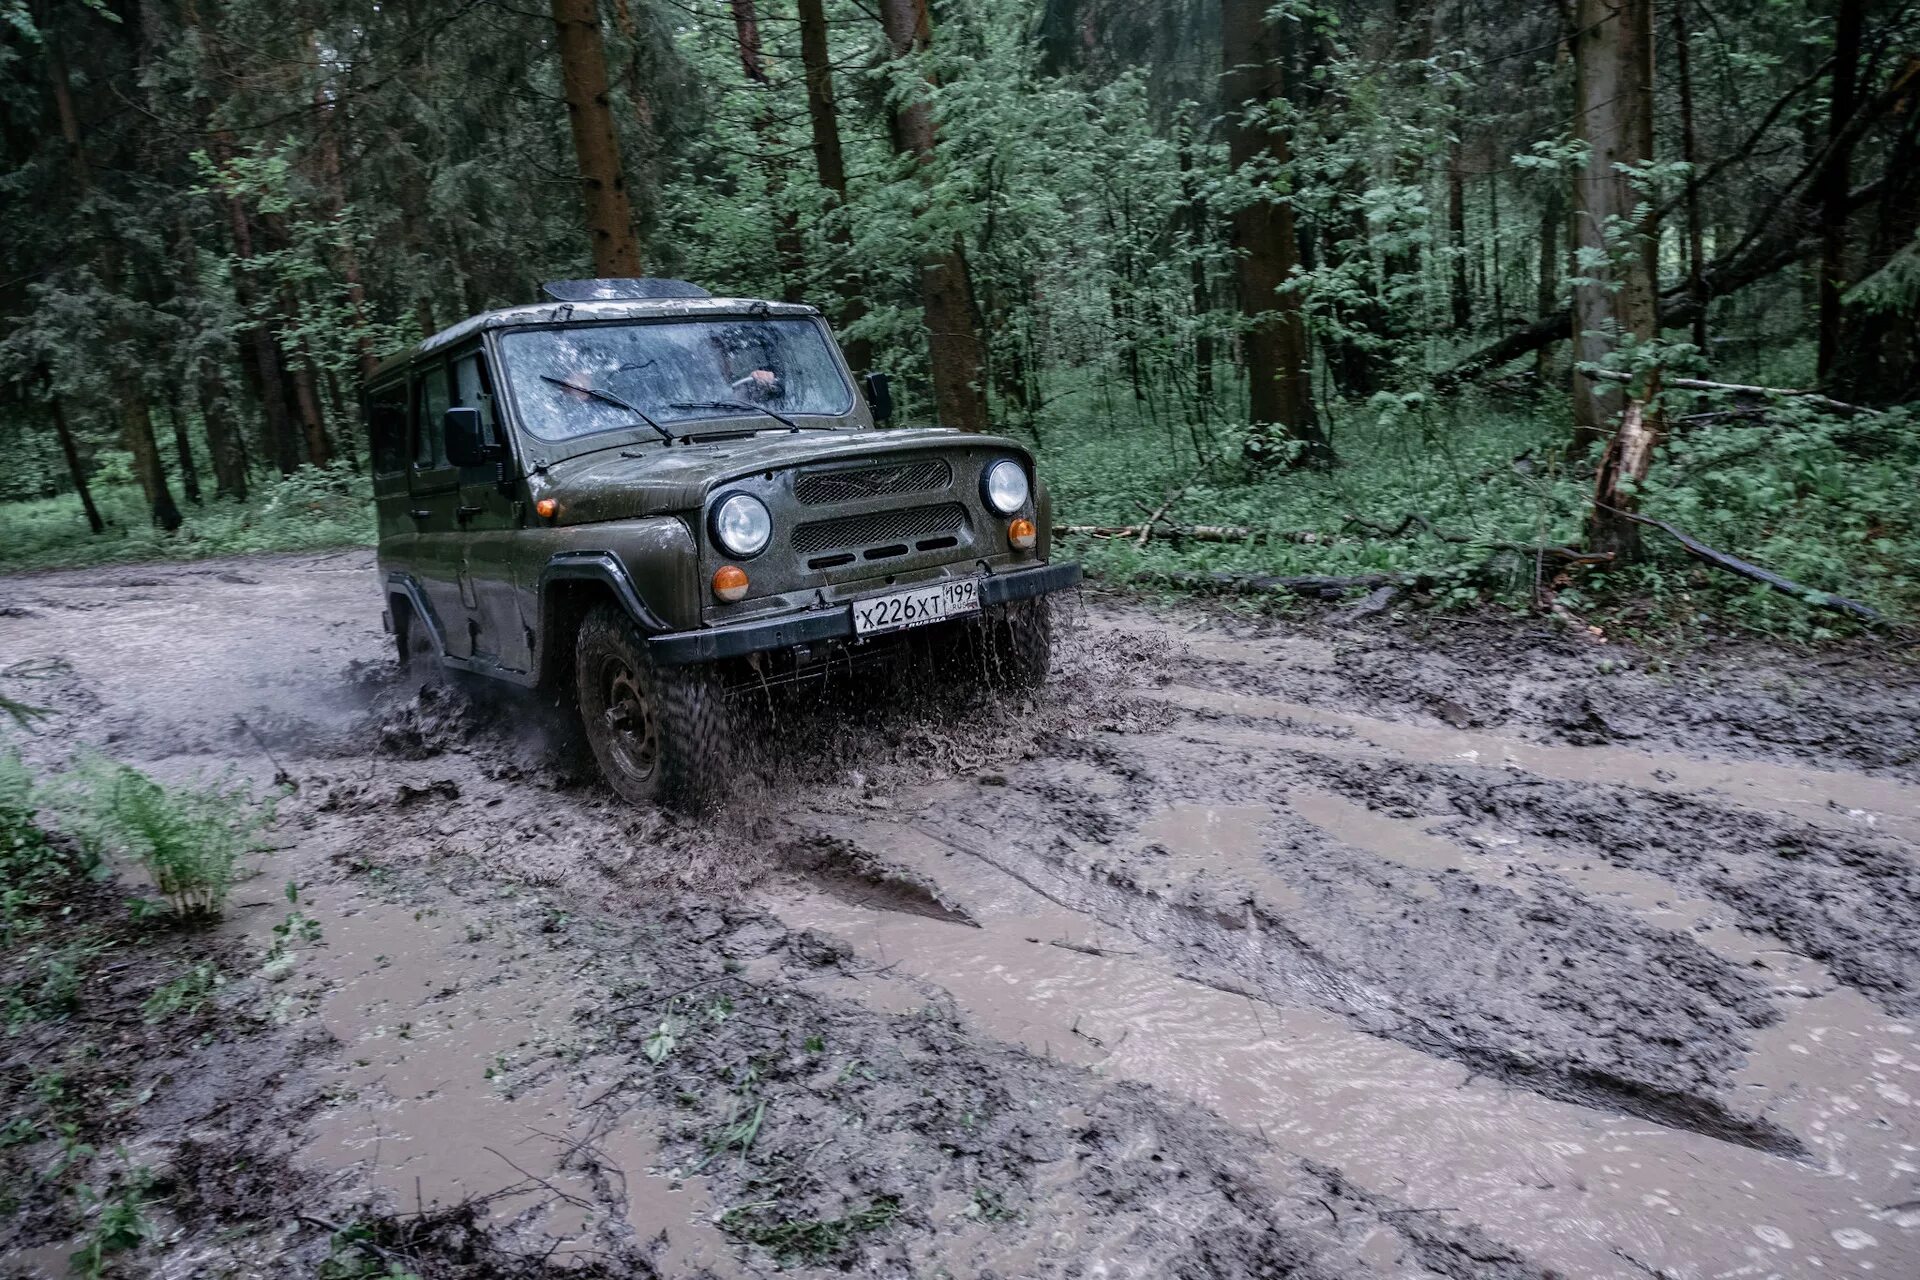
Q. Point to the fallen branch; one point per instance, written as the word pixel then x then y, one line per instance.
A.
pixel 1566 555
pixel 1153 517
pixel 1745 569
pixel 1782 246
pixel 1323 586
pixel 1696 384
pixel 1187 532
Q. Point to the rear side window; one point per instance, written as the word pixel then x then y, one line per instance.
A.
pixel 387 427
pixel 429 439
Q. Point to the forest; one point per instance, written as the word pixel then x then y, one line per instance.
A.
pixel 1570 305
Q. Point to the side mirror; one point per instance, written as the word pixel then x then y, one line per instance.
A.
pixel 469 444
pixel 879 395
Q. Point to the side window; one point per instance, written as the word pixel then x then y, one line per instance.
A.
pixel 473 388
pixel 429 445
pixel 386 409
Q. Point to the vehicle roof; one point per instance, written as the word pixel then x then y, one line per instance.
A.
pixel 558 313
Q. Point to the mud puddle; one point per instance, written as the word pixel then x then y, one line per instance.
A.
pixel 1582 1191
pixel 1841 800
pixel 455 1083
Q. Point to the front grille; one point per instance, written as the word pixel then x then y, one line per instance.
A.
pixel 817 488
pixel 882 534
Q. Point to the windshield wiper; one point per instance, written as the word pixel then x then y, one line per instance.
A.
pixel 780 418
pixel 608 397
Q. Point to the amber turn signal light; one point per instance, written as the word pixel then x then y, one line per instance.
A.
pixel 547 508
pixel 729 583
pixel 1020 533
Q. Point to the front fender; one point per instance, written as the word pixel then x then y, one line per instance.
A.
pixel 650 567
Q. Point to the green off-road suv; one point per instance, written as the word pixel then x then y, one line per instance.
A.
pixel 658 501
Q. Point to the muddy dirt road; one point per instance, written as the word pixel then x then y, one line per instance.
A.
pixel 1390 948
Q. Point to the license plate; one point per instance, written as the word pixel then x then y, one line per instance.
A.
pixel 916 607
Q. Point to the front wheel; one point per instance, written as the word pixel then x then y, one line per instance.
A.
pixel 660 734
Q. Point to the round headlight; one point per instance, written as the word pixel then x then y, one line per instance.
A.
pixel 1006 486
pixel 741 525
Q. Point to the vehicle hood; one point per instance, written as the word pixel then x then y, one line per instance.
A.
pixel 647 480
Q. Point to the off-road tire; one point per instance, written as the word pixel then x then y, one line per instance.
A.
pixel 1019 643
pixel 415 642
pixel 680 760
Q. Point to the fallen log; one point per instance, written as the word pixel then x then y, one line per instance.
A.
pixel 1192 533
pixel 1746 569
pixel 1413 519
pixel 1323 586
pixel 1696 384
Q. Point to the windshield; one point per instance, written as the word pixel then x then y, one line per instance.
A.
pixel 566 382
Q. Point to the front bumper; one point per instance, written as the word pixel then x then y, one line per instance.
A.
pixel 680 648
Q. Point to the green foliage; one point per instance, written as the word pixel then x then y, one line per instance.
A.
pixel 188 838
pixel 355 1253
pixel 1827 500
pixel 806 1238
pixel 120 1222
pixel 34 870
pixel 188 993
pixel 308 510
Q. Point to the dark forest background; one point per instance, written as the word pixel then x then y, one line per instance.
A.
pixel 1450 295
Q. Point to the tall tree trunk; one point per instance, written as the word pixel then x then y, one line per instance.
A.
pixel 583 75
pixel 789 255
pixel 1879 360
pixel 1413 21
pixel 1275 342
pixel 136 423
pixel 298 356
pixel 946 292
pixel 1835 177
pixel 1690 153
pixel 76 470
pixel 183 448
pixel 830 164
pixel 1459 294
pixel 223 444
pixel 1553 214
pixel 1613 53
pixel 334 188
pixel 1200 224
pixel 313 420
pixel 266 373
pixel 1494 266
pixel 210 390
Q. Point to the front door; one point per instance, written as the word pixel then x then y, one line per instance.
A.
pixel 433 491
pixel 490 515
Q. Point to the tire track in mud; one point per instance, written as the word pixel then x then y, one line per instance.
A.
pixel 1565 1185
pixel 1238 933
pixel 1834 880
pixel 1693 1034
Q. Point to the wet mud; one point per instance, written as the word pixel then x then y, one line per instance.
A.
pixel 1392 948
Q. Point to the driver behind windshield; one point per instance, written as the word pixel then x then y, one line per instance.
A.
pixel 747 361
pixel 577 381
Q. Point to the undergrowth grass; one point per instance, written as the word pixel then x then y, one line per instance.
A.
pixel 309 510
pixel 188 838
pixel 1826 500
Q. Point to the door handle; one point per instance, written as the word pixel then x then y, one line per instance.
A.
pixel 467 513
pixel 421 513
